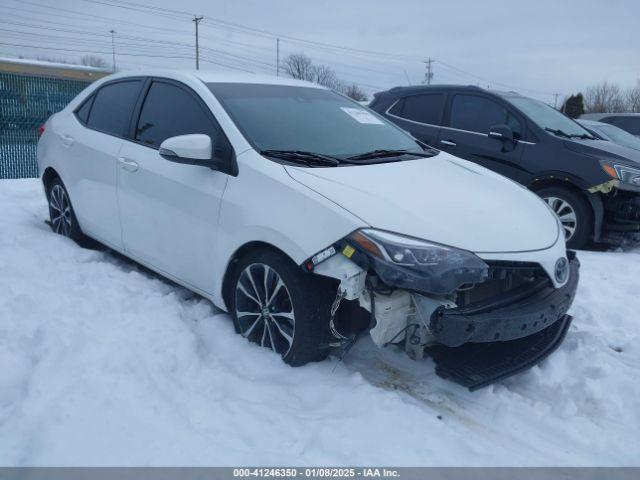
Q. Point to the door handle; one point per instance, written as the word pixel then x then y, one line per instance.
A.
pixel 448 143
pixel 66 140
pixel 128 164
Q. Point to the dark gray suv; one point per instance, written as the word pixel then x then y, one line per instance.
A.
pixel 592 185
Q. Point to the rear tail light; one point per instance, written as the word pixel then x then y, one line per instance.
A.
pixel 40 130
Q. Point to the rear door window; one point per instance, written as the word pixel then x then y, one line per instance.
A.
pixel 168 111
pixel 112 107
pixel 421 108
pixel 477 114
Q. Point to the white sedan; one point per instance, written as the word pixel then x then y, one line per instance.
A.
pixel 309 218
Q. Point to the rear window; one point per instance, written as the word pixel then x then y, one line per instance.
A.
pixel 112 107
pixel 420 108
pixel 83 112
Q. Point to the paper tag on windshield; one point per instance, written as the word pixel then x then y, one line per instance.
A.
pixel 362 116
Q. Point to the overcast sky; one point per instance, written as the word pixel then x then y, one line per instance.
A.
pixel 536 47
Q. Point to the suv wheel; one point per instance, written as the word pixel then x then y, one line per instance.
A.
pixel 574 213
pixel 277 305
pixel 63 219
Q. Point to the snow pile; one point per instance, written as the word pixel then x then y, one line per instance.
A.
pixel 102 363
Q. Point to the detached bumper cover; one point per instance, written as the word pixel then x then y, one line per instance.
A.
pixel 521 313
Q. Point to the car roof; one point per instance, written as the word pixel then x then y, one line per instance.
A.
pixel 417 89
pixel 209 76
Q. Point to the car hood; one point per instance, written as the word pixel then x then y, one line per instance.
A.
pixel 443 199
pixel 603 149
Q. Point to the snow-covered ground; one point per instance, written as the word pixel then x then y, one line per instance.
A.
pixel 102 363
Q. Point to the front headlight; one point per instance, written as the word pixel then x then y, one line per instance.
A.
pixel 415 264
pixel 624 173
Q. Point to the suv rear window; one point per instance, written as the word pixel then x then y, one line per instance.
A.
pixel 112 107
pixel 420 108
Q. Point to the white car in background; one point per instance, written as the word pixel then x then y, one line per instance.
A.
pixel 311 219
pixel 611 133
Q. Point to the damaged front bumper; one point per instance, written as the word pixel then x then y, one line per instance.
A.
pixel 621 214
pixel 516 314
pixel 505 314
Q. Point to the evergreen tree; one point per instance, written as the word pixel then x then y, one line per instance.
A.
pixel 574 106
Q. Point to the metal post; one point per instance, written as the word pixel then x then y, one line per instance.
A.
pixel 277 57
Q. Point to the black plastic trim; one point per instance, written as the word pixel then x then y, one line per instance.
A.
pixel 478 365
pixel 521 313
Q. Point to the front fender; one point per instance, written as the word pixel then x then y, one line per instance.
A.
pixel 264 204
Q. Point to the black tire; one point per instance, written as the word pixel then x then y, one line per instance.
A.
pixel 582 233
pixel 309 301
pixel 61 215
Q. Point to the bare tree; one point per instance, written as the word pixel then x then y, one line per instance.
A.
pixel 299 66
pixel 633 98
pixel 604 97
pixel 93 61
pixel 355 92
pixel 325 76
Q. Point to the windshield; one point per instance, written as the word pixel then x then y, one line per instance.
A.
pixel 287 118
pixel 617 135
pixel 547 117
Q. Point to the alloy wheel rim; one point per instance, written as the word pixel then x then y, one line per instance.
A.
pixel 264 308
pixel 565 213
pixel 60 211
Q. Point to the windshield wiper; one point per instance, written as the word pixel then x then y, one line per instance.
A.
pixel 584 136
pixel 558 132
pixel 303 157
pixel 562 133
pixel 387 153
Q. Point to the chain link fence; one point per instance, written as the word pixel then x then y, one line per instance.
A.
pixel 26 102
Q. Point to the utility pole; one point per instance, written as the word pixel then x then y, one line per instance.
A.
pixel 197 20
pixel 113 49
pixel 555 100
pixel 277 57
pixel 428 76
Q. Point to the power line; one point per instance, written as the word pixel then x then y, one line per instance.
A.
pixel 171 13
pixel 153 43
pixel 180 16
pixel 78 16
pixel 175 14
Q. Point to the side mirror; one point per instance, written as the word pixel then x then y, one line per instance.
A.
pixel 195 149
pixel 501 132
